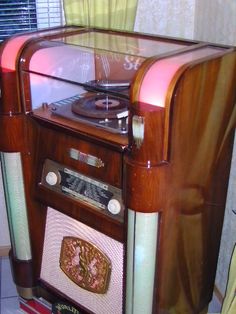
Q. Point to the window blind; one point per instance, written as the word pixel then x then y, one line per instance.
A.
pixel 25 15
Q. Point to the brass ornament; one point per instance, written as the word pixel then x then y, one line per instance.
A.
pixel 138 130
pixel 85 264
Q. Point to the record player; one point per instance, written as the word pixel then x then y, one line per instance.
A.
pixel 117 150
pixel 96 109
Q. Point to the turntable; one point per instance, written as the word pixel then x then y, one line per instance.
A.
pixel 102 110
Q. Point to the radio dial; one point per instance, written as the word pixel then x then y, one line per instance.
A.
pixel 52 178
pixel 114 206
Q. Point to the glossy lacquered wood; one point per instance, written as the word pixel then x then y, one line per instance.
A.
pixel 57 148
pixel 58 145
pixel 9 92
pixel 144 161
pixel 202 128
pixel 189 185
pixel 45 117
pixel 14 137
pixel 23 274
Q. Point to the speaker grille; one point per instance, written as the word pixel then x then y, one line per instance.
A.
pixel 59 226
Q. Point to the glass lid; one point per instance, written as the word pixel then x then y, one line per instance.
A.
pixel 102 60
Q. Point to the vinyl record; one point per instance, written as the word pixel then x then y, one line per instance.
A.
pixel 107 84
pixel 99 106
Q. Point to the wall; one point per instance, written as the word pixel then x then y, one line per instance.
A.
pixel 215 21
pixel 169 17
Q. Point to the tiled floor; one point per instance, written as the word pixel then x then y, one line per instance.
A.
pixel 9 300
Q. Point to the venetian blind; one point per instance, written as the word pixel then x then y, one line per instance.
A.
pixel 26 15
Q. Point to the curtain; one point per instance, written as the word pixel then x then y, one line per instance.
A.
pixel 112 14
pixel 229 305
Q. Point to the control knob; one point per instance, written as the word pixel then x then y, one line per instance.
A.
pixel 52 178
pixel 114 206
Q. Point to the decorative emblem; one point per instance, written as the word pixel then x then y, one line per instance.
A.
pixel 63 308
pixel 138 130
pixel 86 158
pixel 85 264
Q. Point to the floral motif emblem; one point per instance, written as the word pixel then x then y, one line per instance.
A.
pixel 85 264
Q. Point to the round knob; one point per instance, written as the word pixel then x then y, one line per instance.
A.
pixel 51 178
pixel 114 206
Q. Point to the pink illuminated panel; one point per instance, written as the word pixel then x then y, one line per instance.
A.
pixel 155 84
pixel 11 50
pixel 13 46
pixel 65 62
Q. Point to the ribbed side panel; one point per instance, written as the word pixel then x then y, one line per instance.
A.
pixel 141 261
pixel 16 204
pixel 58 226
